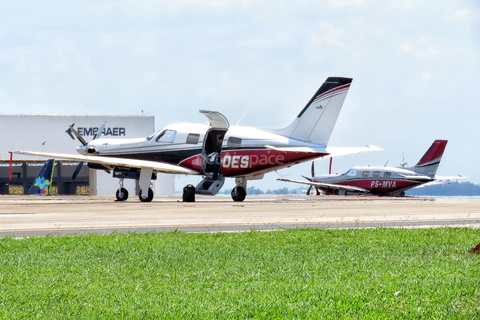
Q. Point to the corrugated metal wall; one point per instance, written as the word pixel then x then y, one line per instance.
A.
pixel 50 134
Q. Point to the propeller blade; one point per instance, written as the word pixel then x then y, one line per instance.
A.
pixel 313 169
pixel 309 190
pixel 100 130
pixel 79 137
pixel 77 170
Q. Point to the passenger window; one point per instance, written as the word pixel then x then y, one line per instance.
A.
pixel 387 174
pixel 376 174
pixel 365 174
pixel 167 136
pixel 193 138
pixel 234 142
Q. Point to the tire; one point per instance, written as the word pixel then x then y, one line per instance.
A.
pixel 147 199
pixel 238 194
pixel 188 193
pixel 122 194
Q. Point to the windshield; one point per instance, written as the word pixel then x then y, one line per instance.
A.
pixel 153 135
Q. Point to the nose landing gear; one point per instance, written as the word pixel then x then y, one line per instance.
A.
pixel 122 193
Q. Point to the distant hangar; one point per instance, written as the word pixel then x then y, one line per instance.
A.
pixel 51 133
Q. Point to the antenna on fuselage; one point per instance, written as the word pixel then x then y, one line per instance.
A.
pixel 403 164
pixel 241 118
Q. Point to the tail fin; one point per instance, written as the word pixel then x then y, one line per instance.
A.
pixel 316 121
pixel 430 161
pixel 43 181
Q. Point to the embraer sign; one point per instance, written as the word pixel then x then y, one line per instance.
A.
pixel 91 131
pixel 115 131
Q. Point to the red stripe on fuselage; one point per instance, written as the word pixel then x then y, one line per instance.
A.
pixel 248 161
pixel 380 186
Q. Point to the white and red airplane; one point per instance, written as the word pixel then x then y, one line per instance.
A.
pixel 217 150
pixel 389 181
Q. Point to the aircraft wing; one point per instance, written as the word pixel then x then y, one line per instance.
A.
pixel 115 162
pixel 345 151
pixel 327 185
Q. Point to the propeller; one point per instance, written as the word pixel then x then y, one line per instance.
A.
pixel 77 170
pixel 100 130
pixel 311 179
pixel 83 141
pixel 79 137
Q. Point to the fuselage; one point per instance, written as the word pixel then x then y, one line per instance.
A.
pixel 378 180
pixel 245 151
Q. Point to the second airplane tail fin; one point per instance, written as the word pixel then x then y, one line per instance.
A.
pixel 43 181
pixel 430 161
pixel 316 121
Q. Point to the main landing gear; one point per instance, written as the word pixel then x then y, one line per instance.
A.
pixel 149 196
pixel 122 193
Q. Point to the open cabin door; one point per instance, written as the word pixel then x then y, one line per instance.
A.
pixel 211 153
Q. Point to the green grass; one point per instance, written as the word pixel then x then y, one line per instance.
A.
pixel 293 274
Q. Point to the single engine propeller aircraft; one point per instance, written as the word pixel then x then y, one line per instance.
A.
pixel 389 181
pixel 217 150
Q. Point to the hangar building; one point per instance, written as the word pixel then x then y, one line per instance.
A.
pixel 50 133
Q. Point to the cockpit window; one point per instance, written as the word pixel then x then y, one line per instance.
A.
pixel 352 173
pixel 166 136
pixel 152 135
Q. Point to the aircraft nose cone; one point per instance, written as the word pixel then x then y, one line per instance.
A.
pixel 81 149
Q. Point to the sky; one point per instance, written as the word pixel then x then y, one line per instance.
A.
pixel 414 64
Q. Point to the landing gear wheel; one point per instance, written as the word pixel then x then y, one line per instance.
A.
pixel 147 199
pixel 122 194
pixel 238 194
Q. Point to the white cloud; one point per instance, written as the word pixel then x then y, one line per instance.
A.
pixel 464 14
pixel 329 35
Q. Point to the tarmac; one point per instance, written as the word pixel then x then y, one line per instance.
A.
pixel 23 216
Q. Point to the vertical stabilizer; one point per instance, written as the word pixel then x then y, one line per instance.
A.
pixel 316 121
pixel 43 181
pixel 430 161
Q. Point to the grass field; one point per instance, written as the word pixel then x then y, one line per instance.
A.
pixel 293 274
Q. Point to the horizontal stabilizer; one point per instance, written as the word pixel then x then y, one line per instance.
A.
pixel 450 177
pixel 345 151
pixel 417 177
pixel 320 150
